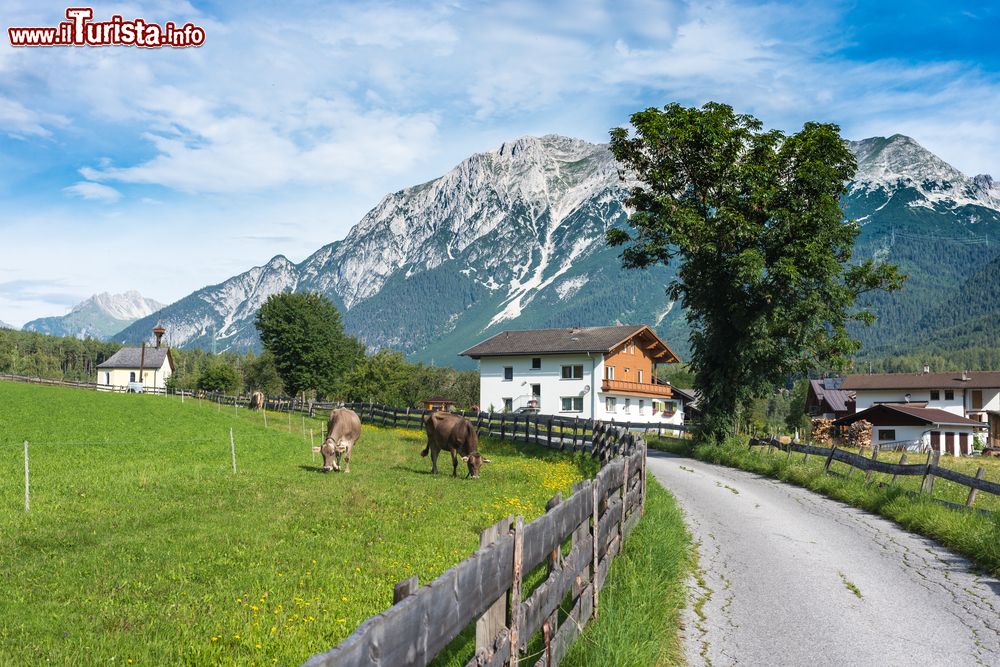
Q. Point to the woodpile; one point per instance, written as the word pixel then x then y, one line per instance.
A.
pixel 859 434
pixel 822 431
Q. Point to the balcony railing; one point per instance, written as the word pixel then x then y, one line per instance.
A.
pixel 642 388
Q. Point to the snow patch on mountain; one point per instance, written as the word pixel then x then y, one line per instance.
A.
pixel 889 164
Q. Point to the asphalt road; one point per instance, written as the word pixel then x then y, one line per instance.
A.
pixel 789 577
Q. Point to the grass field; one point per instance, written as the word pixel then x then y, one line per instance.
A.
pixel 969 533
pixel 142 547
pixel 641 602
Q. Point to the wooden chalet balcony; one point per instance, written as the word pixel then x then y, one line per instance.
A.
pixel 639 388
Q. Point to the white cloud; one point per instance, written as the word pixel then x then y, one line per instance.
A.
pixel 94 191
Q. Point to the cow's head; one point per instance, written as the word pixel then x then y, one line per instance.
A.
pixel 475 461
pixel 329 452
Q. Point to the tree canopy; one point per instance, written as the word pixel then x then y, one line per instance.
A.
pixel 754 220
pixel 305 335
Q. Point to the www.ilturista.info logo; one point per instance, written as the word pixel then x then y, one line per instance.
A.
pixel 79 30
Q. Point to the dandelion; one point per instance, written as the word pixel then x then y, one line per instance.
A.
pixel 215 639
pixel 259 645
pixel 341 620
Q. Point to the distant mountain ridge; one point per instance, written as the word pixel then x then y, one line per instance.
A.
pixel 4 325
pixel 100 316
pixel 514 238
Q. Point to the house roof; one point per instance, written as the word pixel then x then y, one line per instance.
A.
pixel 438 399
pixel 949 380
pixel 886 413
pixel 556 341
pixel 129 357
pixel 688 395
pixel 836 398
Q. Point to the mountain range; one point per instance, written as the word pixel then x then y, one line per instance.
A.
pixel 101 316
pixel 514 238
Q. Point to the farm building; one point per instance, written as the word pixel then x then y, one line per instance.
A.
pixel 974 395
pixel 438 403
pixel 826 399
pixel 604 373
pixel 916 426
pixel 150 366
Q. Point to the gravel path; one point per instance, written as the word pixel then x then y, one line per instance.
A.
pixel 789 577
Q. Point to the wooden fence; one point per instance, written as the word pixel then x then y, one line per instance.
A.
pixel 929 470
pixel 488 588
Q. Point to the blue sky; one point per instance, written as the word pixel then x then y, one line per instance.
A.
pixel 167 170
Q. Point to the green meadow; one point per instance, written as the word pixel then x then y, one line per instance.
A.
pixel 143 547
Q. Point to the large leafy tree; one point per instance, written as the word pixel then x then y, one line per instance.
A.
pixel 305 335
pixel 753 220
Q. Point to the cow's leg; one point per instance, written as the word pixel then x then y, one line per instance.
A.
pixel 454 463
pixel 434 460
pixel 336 459
pixel 347 460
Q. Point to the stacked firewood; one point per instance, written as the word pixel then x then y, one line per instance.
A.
pixel 822 431
pixel 859 434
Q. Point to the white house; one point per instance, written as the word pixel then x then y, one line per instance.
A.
pixel 913 426
pixel 606 373
pixel 974 395
pixel 150 366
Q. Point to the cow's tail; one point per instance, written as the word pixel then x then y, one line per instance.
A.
pixel 426 449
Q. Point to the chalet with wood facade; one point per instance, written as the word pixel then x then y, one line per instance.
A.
pixel 606 373
pixel 826 399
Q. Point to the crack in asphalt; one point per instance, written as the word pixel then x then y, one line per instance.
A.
pixel 774 560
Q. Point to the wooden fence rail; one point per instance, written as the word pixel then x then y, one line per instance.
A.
pixel 592 522
pixel 928 470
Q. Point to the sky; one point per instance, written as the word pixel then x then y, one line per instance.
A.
pixel 166 170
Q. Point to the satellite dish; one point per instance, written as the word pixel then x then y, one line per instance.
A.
pixel 586 388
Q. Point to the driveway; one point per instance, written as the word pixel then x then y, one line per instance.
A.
pixel 789 577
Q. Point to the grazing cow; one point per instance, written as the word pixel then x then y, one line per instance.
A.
pixel 342 431
pixel 256 401
pixel 455 434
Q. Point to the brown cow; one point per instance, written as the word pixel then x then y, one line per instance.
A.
pixel 455 434
pixel 256 400
pixel 342 431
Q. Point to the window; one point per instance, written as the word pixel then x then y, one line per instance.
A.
pixel 508 404
pixel 536 363
pixel 640 376
pixel 508 373
pixel 572 404
pixel 628 405
pixel 609 373
pixel 131 376
pixel 107 378
pixel 935 395
pixel 642 407
pixel 610 404
pixel 886 434
pixel 572 372
pixel 536 391
pixel 949 394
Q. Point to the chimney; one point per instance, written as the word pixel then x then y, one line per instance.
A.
pixel 907 398
pixel 158 331
pixel 927 369
pixel 965 376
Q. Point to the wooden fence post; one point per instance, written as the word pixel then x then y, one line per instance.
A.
pixel 928 481
pixel 495 618
pixel 597 525
pixel 869 473
pixel 549 431
pixel 405 589
pixel 902 460
pixel 972 490
pixel 927 469
pixel 829 459
pixel 515 590
pixel 621 525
